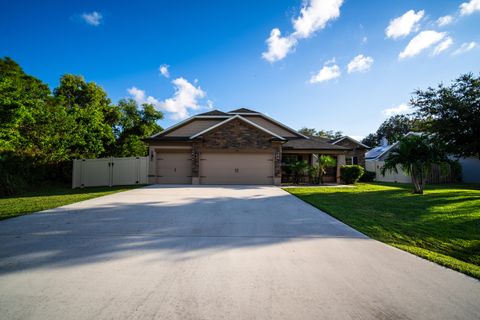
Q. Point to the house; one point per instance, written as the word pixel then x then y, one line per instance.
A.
pixel 375 159
pixel 239 147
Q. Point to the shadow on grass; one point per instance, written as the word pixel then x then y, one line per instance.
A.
pixel 445 219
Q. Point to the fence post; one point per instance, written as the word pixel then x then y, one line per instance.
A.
pixel 138 159
pixel 110 174
pixel 73 173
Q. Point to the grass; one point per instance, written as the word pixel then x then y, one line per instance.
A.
pixel 443 225
pixel 50 197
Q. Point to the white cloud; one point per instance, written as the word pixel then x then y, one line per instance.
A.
pixel 360 63
pixel 468 8
pixel 404 25
pixel 442 46
pixel 420 42
pixel 164 70
pixel 328 72
pixel 140 97
pixel 401 109
pixel 94 18
pixel 358 138
pixel 185 98
pixel 314 15
pixel 278 46
pixel 445 20
pixel 465 47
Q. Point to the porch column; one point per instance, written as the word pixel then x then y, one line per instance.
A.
pixel 152 165
pixel 195 164
pixel 340 162
pixel 277 163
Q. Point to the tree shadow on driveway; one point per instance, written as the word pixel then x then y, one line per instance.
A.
pixel 179 222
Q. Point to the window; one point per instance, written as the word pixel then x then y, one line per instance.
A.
pixel 351 160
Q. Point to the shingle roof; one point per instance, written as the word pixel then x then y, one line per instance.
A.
pixel 243 110
pixel 323 139
pixel 213 113
pixel 311 144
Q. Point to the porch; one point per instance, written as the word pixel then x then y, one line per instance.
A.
pixel 310 157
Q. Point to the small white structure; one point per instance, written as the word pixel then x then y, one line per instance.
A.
pixel 390 176
pixel 375 159
pixel 109 172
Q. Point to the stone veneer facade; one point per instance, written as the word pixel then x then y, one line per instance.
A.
pixel 236 136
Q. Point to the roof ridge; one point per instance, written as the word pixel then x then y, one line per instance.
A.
pixel 243 110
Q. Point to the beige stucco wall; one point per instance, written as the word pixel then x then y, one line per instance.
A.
pixel 270 126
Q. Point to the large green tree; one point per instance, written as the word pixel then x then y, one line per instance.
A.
pixel 31 119
pixel 451 114
pixel 93 114
pixel 392 129
pixel 136 123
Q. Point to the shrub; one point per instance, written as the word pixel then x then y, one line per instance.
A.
pixel 367 176
pixel 351 174
pixel 22 172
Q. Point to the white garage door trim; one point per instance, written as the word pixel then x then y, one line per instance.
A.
pixel 236 168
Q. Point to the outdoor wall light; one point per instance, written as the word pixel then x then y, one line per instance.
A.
pixel 194 154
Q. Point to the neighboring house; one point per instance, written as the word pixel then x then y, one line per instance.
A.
pixel 239 147
pixel 375 159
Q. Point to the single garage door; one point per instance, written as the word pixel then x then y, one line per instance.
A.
pixel 174 167
pixel 236 168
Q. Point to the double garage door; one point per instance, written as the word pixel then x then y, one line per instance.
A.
pixel 217 168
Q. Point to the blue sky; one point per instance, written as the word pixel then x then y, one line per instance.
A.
pixel 217 54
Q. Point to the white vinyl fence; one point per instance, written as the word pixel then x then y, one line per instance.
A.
pixel 109 172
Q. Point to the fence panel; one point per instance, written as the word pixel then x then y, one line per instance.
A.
pixel 109 172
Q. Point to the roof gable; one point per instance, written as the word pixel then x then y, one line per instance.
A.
pixel 273 127
pixel 351 140
pixel 241 119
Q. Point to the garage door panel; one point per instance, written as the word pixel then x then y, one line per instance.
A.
pixel 236 168
pixel 174 168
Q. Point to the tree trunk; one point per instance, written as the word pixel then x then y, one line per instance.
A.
pixel 416 180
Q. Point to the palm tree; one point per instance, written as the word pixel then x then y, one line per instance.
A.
pixel 299 169
pixel 323 163
pixel 415 155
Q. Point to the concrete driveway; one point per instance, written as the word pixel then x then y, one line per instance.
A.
pixel 214 253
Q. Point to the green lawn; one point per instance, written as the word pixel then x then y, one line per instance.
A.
pixel 50 197
pixel 443 225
